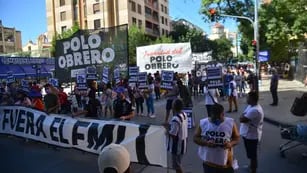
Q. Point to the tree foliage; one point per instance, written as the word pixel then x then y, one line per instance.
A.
pixel 282 23
pixel 66 34
pixel 137 37
pixel 221 49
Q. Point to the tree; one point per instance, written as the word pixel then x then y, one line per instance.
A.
pixel 282 23
pixel 182 33
pixel 163 39
pixel 137 37
pixel 65 34
pixel 221 49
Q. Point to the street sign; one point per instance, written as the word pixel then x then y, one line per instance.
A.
pixel 263 56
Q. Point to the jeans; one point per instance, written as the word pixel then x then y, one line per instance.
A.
pixel 150 104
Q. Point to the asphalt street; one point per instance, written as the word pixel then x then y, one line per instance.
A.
pixel 19 156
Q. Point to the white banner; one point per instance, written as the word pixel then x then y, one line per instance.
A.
pixel 176 57
pixel 145 143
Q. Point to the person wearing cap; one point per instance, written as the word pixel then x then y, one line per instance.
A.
pixel 22 99
pixel 37 102
pixel 122 107
pixel 114 158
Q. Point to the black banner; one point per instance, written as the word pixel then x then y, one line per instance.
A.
pixel 106 46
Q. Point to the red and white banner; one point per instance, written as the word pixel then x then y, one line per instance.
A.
pixel 175 57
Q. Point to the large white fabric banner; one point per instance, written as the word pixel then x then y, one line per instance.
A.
pixel 176 57
pixel 145 143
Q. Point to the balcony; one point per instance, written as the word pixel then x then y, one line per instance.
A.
pixel 152 4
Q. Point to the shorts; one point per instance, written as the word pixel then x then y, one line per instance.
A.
pixel 169 103
pixel 211 169
pixel 251 147
pixel 176 161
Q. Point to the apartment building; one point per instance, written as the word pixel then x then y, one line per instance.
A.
pixel 151 15
pixel 10 40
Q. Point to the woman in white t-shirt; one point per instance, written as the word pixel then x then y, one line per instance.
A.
pixel 211 96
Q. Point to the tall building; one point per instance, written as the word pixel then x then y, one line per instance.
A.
pixel 151 15
pixel 38 49
pixel 10 40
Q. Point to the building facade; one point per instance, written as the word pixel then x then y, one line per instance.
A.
pixel 10 40
pixel 39 49
pixel 151 15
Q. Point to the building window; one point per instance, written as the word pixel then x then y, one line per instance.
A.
pixel 162 19
pixel 62 2
pixel 166 23
pixel 63 15
pixel 96 8
pixel 165 10
pixel 166 32
pixel 140 23
pixel 133 20
pixel 133 8
pixel 162 8
pixel 139 9
pixel 97 24
pixel 162 31
pixel 63 28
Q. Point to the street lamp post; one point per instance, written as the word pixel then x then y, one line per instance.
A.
pixel 256 39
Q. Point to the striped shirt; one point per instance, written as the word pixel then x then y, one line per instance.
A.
pixel 178 134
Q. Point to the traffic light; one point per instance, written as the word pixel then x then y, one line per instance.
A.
pixel 254 44
pixel 212 13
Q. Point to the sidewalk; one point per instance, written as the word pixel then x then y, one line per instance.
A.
pixel 287 91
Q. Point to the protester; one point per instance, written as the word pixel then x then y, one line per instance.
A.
pixel 37 101
pixel 108 99
pixel 51 100
pixel 211 96
pixel 274 86
pixel 178 135
pixel 22 98
pixel 114 158
pixel 184 94
pixel 6 99
pixel 122 107
pixel 65 105
pixel 216 136
pixel 78 96
pixel 251 128
pixel 157 83
pixel 139 100
pixel 232 95
pixel 170 95
pixel 91 92
pixel 91 110
pixel 150 99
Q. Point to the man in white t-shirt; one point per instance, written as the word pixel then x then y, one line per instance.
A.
pixel 251 128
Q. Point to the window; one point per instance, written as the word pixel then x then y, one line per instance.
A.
pixel 97 24
pixel 133 20
pixel 162 31
pixel 162 8
pixel 139 9
pixel 166 23
pixel 162 19
pixel 62 2
pixel 96 8
pixel 165 10
pixel 63 15
pixel 63 28
pixel 140 23
pixel 166 32
pixel 133 8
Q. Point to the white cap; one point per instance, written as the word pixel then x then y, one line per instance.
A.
pixel 114 156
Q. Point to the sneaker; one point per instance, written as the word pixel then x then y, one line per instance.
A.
pixel 152 116
pixel 142 115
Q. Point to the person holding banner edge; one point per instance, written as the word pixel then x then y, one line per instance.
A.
pixel 122 107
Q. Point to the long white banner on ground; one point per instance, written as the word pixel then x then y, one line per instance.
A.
pixel 145 143
pixel 169 56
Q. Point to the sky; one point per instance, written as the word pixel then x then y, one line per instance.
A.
pixel 29 16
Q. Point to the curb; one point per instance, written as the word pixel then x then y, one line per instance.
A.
pixel 276 123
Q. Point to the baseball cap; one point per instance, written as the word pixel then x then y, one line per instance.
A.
pixel 114 156
pixel 120 89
